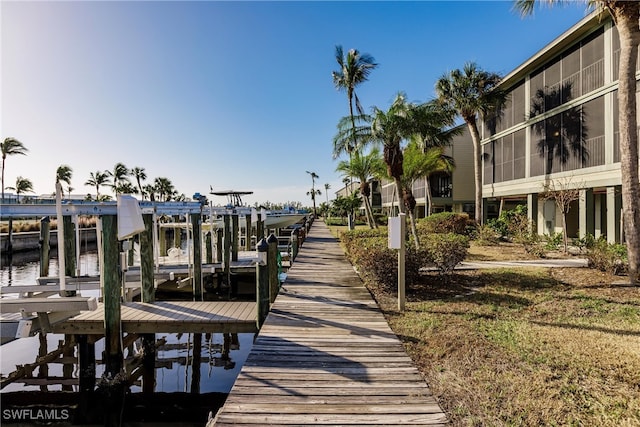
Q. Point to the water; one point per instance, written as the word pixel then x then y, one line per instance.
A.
pixel 219 365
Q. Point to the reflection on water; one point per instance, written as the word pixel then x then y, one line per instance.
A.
pixel 190 367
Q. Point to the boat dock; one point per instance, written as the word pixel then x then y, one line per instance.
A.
pixel 326 355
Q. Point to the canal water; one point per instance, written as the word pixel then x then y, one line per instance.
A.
pixel 222 357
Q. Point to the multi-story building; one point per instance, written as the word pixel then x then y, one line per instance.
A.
pixel 560 127
pixel 452 192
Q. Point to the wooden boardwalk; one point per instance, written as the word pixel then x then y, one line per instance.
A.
pixel 169 317
pixel 326 355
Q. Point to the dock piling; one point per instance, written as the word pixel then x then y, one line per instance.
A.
pixel 262 282
pixel 45 246
pixel 272 264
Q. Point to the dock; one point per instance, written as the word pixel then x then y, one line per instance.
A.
pixel 326 355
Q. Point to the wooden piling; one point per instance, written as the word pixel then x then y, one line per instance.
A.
pixel 9 244
pixel 197 256
pixel 146 260
pixel 69 247
pixel 226 257
pixel 272 265
pixel 294 245
pixel 177 233
pixel 209 251
pixel 148 363
pixel 45 246
pixel 247 232
pixel 195 363
pixel 86 376
pixel 112 293
pixel 219 244
pixel 234 237
pixel 262 284
pixel 259 229
pixel 67 368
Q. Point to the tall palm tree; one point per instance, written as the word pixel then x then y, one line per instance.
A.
pixel 149 190
pixel 64 173
pixel 390 128
pixel 625 14
pixel 140 175
pixel 9 147
pixel 355 68
pixel 163 188
pixel 120 175
pixel 327 186
pixel 473 93
pixel 98 179
pixel 23 185
pixel 364 167
pixel 314 176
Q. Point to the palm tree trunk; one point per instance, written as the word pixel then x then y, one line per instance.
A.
pixel 414 231
pixel 428 198
pixel 477 163
pixel 401 206
pixel 626 16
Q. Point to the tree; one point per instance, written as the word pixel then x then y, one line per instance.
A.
pixel 140 175
pixel 9 147
pixel 390 128
pixel 346 205
pixel 626 15
pixel 563 193
pixel 98 179
pixel 327 186
pixel 364 167
pixel 163 188
pixel 473 93
pixel 120 175
pixel 355 68
pixel 126 188
pixel 313 192
pixel 23 185
pixel 64 174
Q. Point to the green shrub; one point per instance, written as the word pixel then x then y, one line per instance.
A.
pixel 607 257
pixel 444 222
pixel 553 242
pixel 486 235
pixel 446 251
pixel 513 224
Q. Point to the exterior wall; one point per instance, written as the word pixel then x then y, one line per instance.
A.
pixel 460 183
pixel 560 125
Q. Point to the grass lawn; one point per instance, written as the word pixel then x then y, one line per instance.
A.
pixel 524 346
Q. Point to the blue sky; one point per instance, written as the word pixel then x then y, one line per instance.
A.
pixel 229 94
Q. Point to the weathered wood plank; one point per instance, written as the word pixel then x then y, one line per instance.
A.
pixel 326 355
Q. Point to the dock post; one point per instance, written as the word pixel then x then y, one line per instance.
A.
pixel 247 232
pixel 226 257
pixel 146 260
pixel 163 240
pixel 219 244
pixel 197 256
pixel 272 265
pixel 87 376
pixel 262 283
pixel 294 245
pixel 148 363
pixel 196 361
pixel 69 247
pixel 177 233
pixel 45 236
pixel 209 251
pixel 259 229
pixel 234 237
pixel 9 245
pixel 113 380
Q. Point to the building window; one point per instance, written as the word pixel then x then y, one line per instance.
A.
pixel 441 185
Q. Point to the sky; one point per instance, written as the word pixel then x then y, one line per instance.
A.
pixel 229 95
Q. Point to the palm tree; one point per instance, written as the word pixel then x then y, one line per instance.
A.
pixel 355 68
pixel 364 167
pixel 313 193
pixel 327 186
pixel 64 174
pixel 9 147
pixel 98 179
pixel 140 175
pixel 314 176
pixel 126 188
pixel 149 190
pixel 120 175
pixel 390 128
pixel 472 92
pixel 23 185
pixel 163 188
pixel 625 14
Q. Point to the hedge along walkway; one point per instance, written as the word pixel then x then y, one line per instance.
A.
pixel 326 355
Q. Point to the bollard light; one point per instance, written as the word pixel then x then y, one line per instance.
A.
pixel 262 247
